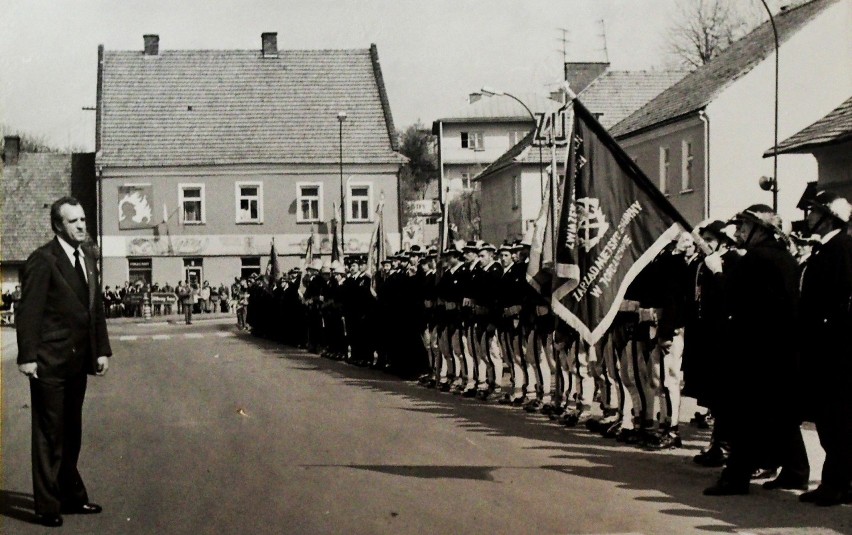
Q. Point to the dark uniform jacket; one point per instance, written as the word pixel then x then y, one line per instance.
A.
pixel 825 315
pixel 55 328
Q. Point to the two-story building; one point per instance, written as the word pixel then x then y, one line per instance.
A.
pixel 702 140
pixel 473 137
pixel 205 156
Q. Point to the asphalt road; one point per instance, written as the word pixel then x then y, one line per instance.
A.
pixel 200 429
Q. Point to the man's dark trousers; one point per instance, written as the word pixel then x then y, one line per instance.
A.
pixel 57 412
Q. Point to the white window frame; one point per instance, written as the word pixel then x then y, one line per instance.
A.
pixel 687 157
pixel 665 160
pixel 475 140
pixel 299 198
pixel 516 192
pixel 350 216
pixel 238 197
pixel 192 185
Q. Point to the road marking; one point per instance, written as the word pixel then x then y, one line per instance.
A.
pixel 161 336
pixel 224 334
pixel 128 338
pixel 193 335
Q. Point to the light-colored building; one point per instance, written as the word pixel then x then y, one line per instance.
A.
pixel 512 186
pixel 829 140
pixel 702 140
pixel 205 156
pixel 473 137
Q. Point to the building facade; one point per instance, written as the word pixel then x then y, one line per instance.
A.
pixel 703 139
pixel 206 157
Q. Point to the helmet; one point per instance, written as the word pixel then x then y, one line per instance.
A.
pixel 831 204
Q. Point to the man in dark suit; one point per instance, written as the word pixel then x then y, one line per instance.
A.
pixel 62 338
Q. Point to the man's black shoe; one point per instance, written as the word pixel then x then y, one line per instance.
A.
pixel 469 393
pixel 826 497
pixel 726 487
pixel 666 441
pixel 51 521
pixel 712 458
pixel 82 509
pixel 533 405
pixel 782 482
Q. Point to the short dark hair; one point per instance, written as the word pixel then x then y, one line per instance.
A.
pixel 55 216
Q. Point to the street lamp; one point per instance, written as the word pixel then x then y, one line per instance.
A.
pixel 491 92
pixel 341 116
pixel 774 184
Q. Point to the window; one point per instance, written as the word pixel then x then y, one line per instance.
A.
pixel 310 203
pixel 472 140
pixel 249 200
pixel 516 192
pixel 686 165
pixel 359 202
pixel 249 266
pixel 664 169
pixel 191 200
pixel 139 269
pixel 465 180
pixel 515 138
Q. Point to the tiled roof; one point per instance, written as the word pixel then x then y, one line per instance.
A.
pixel 490 108
pixel 617 94
pixel 701 86
pixel 28 188
pixel 209 107
pixel 835 127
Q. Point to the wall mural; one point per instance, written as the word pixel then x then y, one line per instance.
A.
pixel 134 207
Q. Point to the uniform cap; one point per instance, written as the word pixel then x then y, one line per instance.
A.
pixel 487 247
pixel 416 250
pixel 761 215
pixel 452 250
pixel 339 270
pixel 433 252
pixel 718 230
pixel 506 247
pixel 471 245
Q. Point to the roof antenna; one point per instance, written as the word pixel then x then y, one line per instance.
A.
pixel 603 38
pixel 564 40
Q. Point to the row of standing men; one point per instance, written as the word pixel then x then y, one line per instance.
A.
pixel 729 326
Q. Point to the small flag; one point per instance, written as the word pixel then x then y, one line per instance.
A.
pixel 273 269
pixel 336 248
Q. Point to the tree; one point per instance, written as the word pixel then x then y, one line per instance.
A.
pixel 702 29
pixel 464 211
pixel 421 171
pixel 29 142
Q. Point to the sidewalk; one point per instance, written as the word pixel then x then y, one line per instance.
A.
pixel 173 318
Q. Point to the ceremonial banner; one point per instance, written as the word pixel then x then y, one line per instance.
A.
pixel 336 246
pixel 379 245
pixel 613 221
pixel 135 206
pixel 273 270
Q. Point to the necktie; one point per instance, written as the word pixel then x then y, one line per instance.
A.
pixel 78 267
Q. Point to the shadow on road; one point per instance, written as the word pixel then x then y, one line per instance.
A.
pixel 17 505
pixel 666 477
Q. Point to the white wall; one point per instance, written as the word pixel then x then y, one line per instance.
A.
pixel 815 78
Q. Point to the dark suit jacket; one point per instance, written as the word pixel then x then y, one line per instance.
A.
pixel 55 328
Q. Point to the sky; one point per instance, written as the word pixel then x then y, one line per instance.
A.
pixel 433 53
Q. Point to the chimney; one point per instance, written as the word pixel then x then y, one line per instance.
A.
pixel 474 97
pixel 270 44
pixel 11 148
pixel 557 95
pixel 152 44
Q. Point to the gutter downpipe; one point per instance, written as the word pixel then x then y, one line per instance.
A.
pixel 706 120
